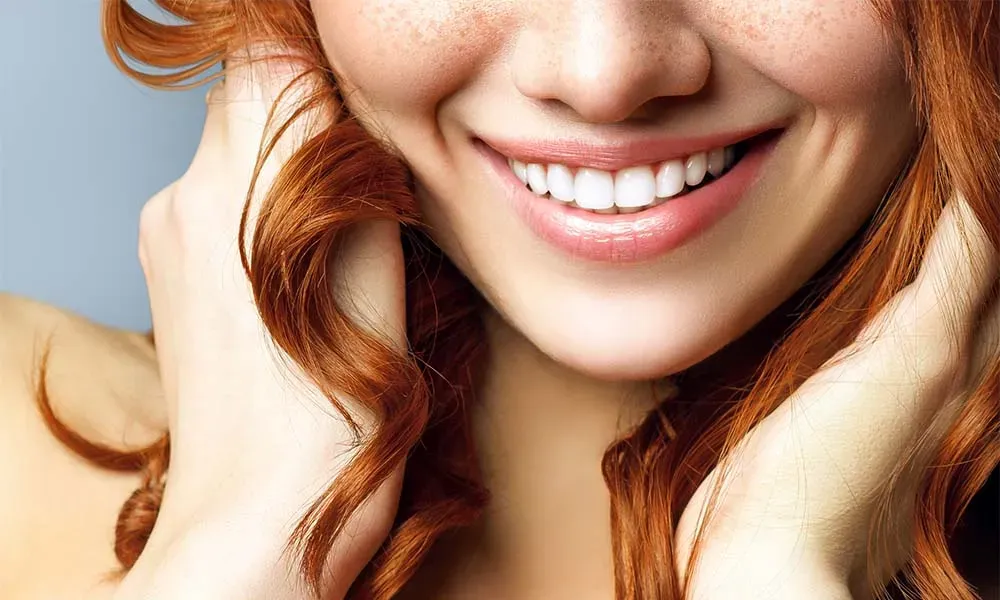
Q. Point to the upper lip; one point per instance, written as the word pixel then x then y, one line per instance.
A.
pixel 617 154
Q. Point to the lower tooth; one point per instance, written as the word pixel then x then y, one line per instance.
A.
pixel 615 210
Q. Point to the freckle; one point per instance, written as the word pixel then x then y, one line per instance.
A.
pixel 753 32
pixel 649 47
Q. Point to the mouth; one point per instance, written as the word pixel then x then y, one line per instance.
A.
pixel 628 190
pixel 627 204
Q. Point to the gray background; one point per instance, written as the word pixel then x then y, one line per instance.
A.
pixel 81 149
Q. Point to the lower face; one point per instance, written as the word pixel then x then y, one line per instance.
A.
pixel 693 162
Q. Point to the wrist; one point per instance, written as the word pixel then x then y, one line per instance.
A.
pixel 223 560
pixel 233 543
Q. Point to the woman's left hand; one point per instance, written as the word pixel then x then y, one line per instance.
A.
pixel 803 489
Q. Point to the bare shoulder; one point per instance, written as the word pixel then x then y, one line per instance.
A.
pixel 26 326
pixel 22 322
pixel 58 512
pixel 84 362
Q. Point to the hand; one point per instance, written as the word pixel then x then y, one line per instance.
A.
pixel 804 486
pixel 253 442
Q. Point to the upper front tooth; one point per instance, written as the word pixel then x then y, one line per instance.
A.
pixel 537 179
pixel 520 170
pixel 561 182
pixel 594 189
pixel 717 161
pixel 697 166
pixel 670 179
pixel 634 187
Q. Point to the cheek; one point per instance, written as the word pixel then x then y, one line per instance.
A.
pixel 407 53
pixel 830 52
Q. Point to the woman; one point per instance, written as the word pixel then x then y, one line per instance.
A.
pixel 637 238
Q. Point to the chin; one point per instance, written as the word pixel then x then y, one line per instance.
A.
pixel 626 350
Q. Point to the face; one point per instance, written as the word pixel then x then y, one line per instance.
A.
pixel 692 162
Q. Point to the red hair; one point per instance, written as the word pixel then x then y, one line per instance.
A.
pixel 952 57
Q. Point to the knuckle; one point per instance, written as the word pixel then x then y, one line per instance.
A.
pixel 152 222
pixel 153 218
pixel 190 204
pixel 204 194
pixel 916 342
pixel 944 364
pixel 938 363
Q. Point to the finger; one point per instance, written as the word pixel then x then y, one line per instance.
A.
pixel 266 80
pixel 369 280
pixel 986 350
pixel 958 271
pixel 244 110
pixel 925 332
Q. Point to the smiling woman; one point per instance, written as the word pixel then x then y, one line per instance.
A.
pixel 662 264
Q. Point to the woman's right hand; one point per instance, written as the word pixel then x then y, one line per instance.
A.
pixel 253 441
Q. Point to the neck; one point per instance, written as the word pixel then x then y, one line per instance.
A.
pixel 541 432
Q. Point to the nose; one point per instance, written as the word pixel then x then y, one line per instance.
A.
pixel 607 59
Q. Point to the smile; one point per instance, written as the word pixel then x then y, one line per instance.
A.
pixel 626 204
pixel 629 190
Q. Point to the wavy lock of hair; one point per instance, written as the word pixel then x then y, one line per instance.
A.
pixel 951 51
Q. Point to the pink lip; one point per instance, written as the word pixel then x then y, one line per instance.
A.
pixel 635 237
pixel 618 155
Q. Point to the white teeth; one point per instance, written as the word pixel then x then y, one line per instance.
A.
pixel 537 179
pixel 520 170
pixel 670 179
pixel 697 166
pixel 629 190
pixel 561 183
pixel 634 187
pixel 594 189
pixel 717 161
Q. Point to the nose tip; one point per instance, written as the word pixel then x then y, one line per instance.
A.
pixel 608 70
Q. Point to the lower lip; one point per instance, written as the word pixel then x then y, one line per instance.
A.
pixel 635 237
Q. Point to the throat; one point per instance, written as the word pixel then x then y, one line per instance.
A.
pixel 541 434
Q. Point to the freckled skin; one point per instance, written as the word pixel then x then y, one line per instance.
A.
pixel 433 73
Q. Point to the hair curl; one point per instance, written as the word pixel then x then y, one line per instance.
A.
pixel 951 52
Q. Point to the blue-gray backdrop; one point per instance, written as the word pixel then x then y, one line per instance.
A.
pixel 81 149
